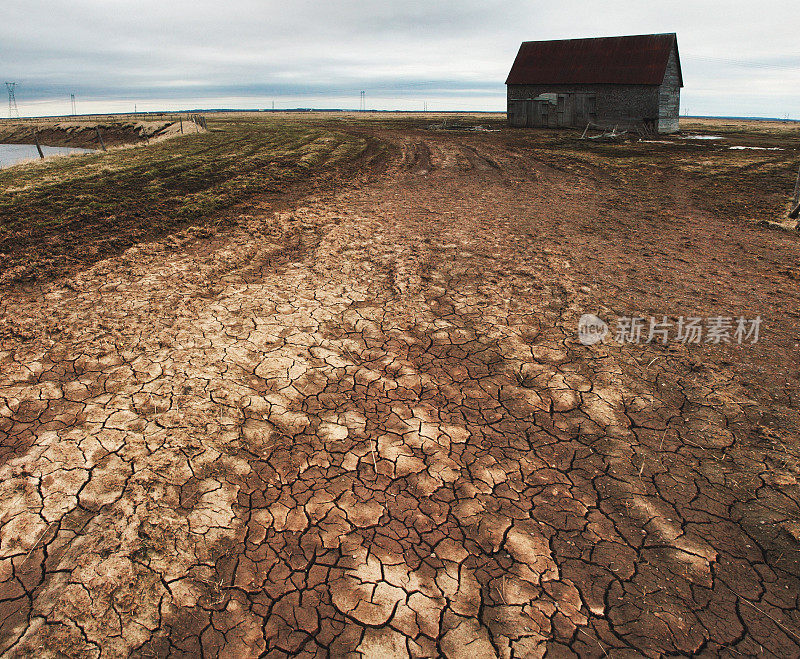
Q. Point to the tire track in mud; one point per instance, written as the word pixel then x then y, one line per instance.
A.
pixel 366 426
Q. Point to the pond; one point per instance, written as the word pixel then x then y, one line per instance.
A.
pixel 13 154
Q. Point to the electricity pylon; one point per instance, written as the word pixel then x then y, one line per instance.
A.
pixel 13 110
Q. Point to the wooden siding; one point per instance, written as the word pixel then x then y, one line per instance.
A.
pixel 576 105
pixel 554 110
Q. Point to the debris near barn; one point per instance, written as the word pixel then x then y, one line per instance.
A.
pixel 632 82
pixel 604 135
pixel 457 126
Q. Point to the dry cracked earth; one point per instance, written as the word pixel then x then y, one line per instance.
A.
pixel 364 426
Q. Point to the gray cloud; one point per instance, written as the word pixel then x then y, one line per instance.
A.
pixel 738 58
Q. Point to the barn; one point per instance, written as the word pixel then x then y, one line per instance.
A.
pixel 630 82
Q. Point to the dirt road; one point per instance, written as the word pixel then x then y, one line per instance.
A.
pixel 366 425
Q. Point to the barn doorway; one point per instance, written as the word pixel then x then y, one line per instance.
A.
pixel 553 110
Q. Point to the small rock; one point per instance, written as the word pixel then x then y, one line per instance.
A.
pixel 793 529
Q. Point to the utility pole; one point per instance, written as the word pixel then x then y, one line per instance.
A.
pixel 363 102
pixel 13 110
pixel 72 102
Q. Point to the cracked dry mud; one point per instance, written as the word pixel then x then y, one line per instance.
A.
pixel 365 427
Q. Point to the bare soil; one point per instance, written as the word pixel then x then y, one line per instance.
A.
pixel 362 424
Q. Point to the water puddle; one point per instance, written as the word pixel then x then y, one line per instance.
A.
pixel 13 154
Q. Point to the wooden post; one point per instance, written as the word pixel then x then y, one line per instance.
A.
pixel 795 212
pixel 100 138
pixel 181 120
pixel 38 146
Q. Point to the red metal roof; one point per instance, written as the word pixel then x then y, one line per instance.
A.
pixel 636 60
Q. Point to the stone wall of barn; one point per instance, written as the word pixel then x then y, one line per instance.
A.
pixel 669 97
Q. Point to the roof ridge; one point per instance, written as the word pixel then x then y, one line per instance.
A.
pixel 639 59
pixel 621 36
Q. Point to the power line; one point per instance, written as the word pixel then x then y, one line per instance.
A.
pixel 13 110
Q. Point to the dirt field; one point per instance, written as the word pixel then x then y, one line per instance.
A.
pixel 357 420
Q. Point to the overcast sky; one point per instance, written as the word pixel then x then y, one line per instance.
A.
pixel 739 57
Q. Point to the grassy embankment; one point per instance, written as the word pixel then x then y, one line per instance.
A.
pixel 62 213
